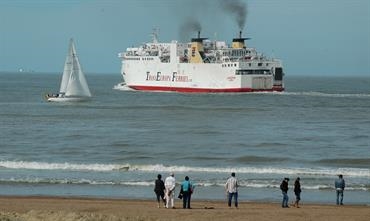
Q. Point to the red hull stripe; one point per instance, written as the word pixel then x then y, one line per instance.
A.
pixel 202 90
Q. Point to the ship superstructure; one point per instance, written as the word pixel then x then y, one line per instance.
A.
pixel 200 66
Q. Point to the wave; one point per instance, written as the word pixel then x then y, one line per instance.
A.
pixel 258 159
pixel 347 161
pixel 74 181
pixel 61 166
pixel 321 94
pixel 356 172
pixel 270 144
pixel 258 184
pixel 122 87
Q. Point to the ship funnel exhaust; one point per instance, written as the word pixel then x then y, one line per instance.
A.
pixel 239 42
pixel 197 52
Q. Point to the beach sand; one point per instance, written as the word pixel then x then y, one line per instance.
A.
pixel 71 209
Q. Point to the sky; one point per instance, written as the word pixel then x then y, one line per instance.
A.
pixel 311 37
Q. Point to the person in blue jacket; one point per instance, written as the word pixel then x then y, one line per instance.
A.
pixel 339 187
pixel 187 190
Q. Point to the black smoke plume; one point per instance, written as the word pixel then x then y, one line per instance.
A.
pixel 190 27
pixel 236 8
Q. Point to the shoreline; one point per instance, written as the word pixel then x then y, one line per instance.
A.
pixel 19 208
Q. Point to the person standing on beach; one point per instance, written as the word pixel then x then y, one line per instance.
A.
pixel 297 191
pixel 187 190
pixel 170 184
pixel 231 187
pixel 339 187
pixel 284 189
pixel 159 190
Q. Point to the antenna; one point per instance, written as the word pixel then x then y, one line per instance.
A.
pixel 155 35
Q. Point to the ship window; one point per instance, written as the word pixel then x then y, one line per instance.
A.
pixel 250 72
pixel 250 64
pixel 234 65
pixel 259 64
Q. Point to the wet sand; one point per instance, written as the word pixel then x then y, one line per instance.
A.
pixel 71 209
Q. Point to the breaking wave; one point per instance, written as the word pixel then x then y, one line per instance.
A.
pixel 149 183
pixel 319 171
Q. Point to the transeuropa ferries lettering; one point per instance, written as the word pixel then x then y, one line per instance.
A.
pixel 161 77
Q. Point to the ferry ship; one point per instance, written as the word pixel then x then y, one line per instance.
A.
pixel 201 66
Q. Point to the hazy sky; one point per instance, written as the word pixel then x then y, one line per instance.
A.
pixel 318 37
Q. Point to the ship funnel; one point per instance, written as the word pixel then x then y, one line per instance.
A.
pixel 239 42
pixel 197 51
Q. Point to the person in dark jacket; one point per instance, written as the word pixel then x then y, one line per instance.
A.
pixel 297 192
pixel 159 189
pixel 339 187
pixel 284 189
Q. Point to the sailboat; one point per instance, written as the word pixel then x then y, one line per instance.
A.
pixel 73 86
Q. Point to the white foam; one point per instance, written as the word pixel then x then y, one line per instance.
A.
pixel 59 166
pixel 356 172
pixel 122 87
pixel 137 183
pixel 255 184
pixel 259 170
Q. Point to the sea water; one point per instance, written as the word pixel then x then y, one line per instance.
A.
pixel 115 145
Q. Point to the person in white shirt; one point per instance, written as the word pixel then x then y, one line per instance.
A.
pixel 170 184
pixel 231 187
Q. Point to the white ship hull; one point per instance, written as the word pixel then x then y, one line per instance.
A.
pixel 187 77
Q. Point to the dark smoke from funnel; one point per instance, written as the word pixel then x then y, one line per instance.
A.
pixel 236 8
pixel 195 11
pixel 188 28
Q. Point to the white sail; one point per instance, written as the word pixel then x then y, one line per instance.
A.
pixel 76 85
pixel 73 86
pixel 67 69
